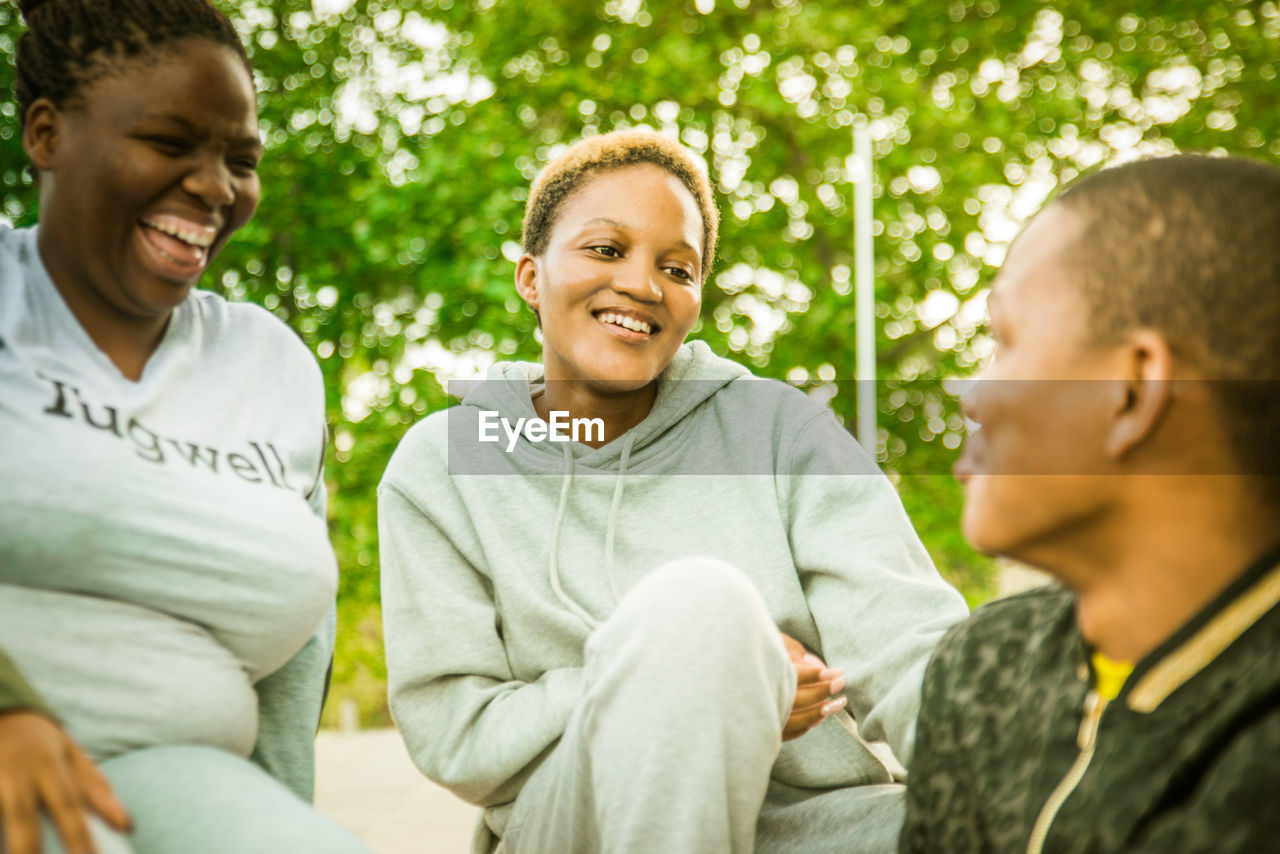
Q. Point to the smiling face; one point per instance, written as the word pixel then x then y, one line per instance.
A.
pixel 1037 470
pixel 620 284
pixel 145 176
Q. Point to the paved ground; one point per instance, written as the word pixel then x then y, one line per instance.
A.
pixel 367 782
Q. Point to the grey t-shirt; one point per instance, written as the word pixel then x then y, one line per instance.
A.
pixel 163 548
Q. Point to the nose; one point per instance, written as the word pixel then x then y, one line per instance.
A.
pixel 210 181
pixel 638 280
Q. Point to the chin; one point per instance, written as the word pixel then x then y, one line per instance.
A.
pixel 985 527
pixel 979 535
pixel 609 385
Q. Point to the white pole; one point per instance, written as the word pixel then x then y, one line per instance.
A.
pixel 865 292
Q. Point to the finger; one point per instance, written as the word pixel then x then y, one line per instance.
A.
pixel 831 677
pixel 21 821
pixel 98 793
pixel 802 719
pixel 66 811
pixel 835 677
pixel 798 725
pixel 811 694
pixel 808 675
pixel 835 704
pixel 813 661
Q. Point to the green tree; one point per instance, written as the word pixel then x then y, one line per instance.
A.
pixel 402 136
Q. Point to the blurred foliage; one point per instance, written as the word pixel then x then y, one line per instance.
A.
pixel 402 136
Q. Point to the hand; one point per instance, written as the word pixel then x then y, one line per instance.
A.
pixel 43 770
pixel 815 685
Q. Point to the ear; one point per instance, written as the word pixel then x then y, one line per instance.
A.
pixel 1143 396
pixel 527 275
pixel 41 133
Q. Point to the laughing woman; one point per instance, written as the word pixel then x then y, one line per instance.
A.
pixel 587 637
pixel 165 571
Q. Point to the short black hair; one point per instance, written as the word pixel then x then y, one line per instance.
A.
pixel 615 150
pixel 1189 245
pixel 70 43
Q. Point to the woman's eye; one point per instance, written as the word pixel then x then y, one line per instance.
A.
pixel 168 144
pixel 679 273
pixel 606 251
pixel 245 164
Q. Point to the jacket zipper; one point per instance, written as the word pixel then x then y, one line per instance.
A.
pixel 1086 740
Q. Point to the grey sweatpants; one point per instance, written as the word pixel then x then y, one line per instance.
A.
pixel 198 800
pixel 687 689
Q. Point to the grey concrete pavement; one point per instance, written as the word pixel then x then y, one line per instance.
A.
pixel 366 781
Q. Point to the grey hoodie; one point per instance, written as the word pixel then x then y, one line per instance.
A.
pixel 497 565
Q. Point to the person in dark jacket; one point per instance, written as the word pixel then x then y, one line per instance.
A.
pixel 1127 445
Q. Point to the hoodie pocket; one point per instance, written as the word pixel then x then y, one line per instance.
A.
pixel 831 755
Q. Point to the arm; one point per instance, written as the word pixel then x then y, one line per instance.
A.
pixel 289 702
pixel 879 605
pixel 290 699
pixel 467 722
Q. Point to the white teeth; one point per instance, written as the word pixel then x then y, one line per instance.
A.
pixel 626 322
pixel 201 240
pixel 199 252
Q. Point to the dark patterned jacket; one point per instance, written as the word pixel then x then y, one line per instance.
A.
pixel 1015 752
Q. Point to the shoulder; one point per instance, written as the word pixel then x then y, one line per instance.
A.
pixel 17 254
pixel 221 316
pixel 249 329
pixel 805 432
pixel 423 453
pixel 9 239
pixel 1000 634
pixel 773 404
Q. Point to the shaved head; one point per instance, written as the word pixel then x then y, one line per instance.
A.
pixel 1190 246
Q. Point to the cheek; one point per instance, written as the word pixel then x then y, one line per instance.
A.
pixel 247 196
pixel 685 307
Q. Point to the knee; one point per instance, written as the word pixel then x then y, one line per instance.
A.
pixel 701 605
pixel 694 591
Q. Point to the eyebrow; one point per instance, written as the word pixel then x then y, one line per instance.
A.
pixel 191 127
pixel 613 223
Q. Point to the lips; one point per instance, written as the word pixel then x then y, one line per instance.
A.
pixel 177 246
pixel 970 461
pixel 627 324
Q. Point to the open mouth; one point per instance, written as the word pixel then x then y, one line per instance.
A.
pixel 181 245
pixel 627 322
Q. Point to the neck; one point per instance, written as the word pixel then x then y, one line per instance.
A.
pixel 1162 562
pixel 618 412
pixel 127 340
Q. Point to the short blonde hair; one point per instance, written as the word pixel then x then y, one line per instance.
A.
pixel 614 151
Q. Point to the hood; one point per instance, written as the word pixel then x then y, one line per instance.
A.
pixel 694 375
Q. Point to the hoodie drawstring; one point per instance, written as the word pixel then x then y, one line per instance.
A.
pixel 610 531
pixel 554 569
pixel 612 527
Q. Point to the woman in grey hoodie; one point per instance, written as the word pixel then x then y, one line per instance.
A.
pixel 611 580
